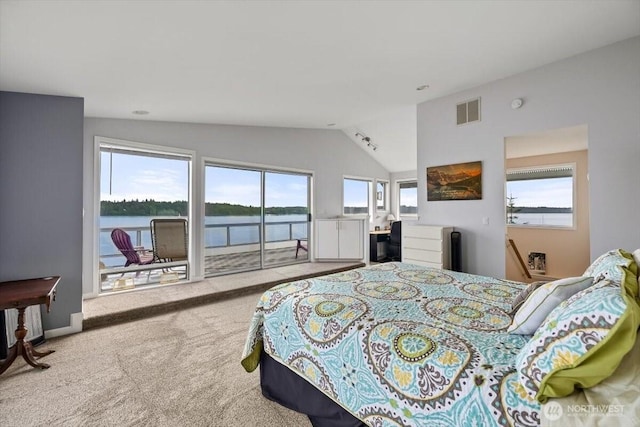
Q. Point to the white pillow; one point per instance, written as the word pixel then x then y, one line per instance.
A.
pixel 543 300
pixel 636 257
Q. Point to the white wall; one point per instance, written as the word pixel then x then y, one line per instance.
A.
pixel 600 88
pixel 330 154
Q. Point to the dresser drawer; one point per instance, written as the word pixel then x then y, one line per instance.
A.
pixel 426 245
pixel 424 232
pixel 417 254
pixel 424 263
pixel 411 242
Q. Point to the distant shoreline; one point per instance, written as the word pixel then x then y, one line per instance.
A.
pixel 541 210
pixel 181 208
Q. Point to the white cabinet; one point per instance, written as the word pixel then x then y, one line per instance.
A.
pixel 339 239
pixel 427 245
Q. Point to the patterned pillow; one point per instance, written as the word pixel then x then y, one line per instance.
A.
pixel 523 295
pixel 580 343
pixel 605 266
pixel 544 299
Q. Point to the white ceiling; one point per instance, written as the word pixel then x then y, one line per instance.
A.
pixel 293 64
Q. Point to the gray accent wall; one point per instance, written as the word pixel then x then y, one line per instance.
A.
pixel 41 195
pixel 329 154
pixel 600 88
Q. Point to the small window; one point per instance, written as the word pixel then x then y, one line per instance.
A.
pixel 408 198
pixel 356 196
pixel 540 196
pixel 381 195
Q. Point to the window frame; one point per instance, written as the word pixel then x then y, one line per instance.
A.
pixel 370 197
pixel 399 182
pixel 574 193
pixel 385 195
pixel 153 150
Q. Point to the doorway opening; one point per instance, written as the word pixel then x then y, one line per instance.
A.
pixel 547 204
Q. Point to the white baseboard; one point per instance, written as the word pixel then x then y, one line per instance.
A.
pixel 90 295
pixel 75 327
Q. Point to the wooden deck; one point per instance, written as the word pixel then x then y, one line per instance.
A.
pixel 214 265
pixel 221 264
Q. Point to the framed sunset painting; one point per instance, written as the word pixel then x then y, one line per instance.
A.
pixel 461 181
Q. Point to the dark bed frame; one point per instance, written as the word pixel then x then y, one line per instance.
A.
pixel 282 386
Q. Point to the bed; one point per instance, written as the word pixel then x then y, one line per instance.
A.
pixel 394 344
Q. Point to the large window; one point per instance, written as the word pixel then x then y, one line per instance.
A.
pixel 540 196
pixel 408 197
pixel 356 194
pixel 139 184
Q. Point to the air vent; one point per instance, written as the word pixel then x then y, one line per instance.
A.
pixel 468 111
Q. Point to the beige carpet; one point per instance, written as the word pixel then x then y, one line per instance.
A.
pixel 176 369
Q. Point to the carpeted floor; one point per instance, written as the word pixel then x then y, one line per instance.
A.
pixel 176 369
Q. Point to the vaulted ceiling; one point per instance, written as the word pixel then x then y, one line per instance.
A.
pixel 350 65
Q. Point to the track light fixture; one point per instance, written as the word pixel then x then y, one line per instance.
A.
pixel 367 141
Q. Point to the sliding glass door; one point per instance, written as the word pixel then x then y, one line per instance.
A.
pixel 254 218
pixel 232 226
pixel 286 216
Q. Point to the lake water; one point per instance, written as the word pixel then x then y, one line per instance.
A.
pixel 246 231
pixel 551 219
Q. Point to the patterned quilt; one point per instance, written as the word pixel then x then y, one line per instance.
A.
pixel 398 344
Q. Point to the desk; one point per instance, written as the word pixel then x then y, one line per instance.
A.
pixel 21 294
pixel 376 238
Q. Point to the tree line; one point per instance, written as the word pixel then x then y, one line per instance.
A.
pixel 181 208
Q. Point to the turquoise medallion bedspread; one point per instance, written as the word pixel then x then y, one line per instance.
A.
pixel 398 344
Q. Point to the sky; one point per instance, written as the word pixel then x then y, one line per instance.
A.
pixel 131 177
pixel 409 196
pixel 555 192
pixel 242 187
pixel 141 177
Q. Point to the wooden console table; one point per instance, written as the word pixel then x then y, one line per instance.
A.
pixel 21 294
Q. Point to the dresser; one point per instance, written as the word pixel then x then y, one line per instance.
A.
pixel 427 245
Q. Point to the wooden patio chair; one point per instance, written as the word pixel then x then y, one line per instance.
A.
pixel 134 255
pixel 170 239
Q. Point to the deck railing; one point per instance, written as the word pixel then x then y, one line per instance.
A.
pixel 229 235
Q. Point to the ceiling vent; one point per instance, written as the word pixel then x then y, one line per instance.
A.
pixel 468 111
